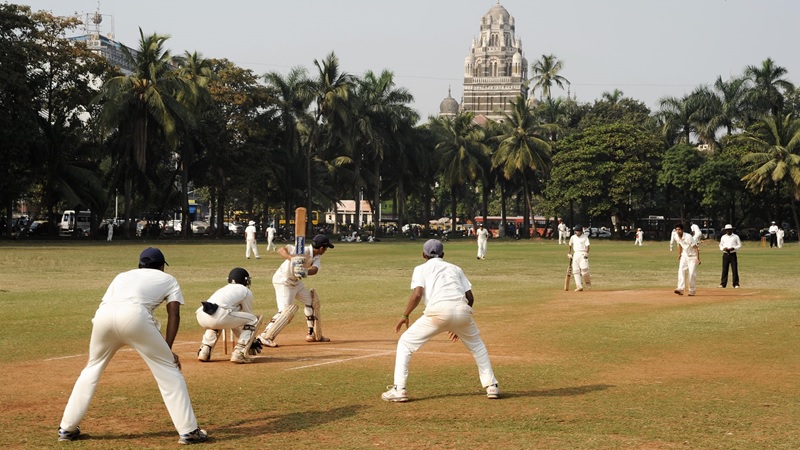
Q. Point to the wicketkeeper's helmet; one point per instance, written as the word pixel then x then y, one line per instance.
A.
pixel 239 276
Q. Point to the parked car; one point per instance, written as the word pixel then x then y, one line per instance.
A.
pixel 38 228
pixel 201 227
pixel 235 228
pixel 601 232
pixel 709 234
pixel 172 226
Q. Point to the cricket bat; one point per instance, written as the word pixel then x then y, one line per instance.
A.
pixel 569 273
pixel 299 242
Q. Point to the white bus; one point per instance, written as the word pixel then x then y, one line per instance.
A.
pixel 75 223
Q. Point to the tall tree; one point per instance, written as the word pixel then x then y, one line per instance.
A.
pixel 522 150
pixel 546 73
pixel 769 85
pixel 143 102
pixel 774 160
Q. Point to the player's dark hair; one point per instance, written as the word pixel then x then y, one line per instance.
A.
pixel 679 225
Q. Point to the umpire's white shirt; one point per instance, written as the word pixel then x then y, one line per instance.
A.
pixel 146 287
pixel 442 283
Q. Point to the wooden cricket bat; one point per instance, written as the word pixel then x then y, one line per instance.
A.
pixel 299 231
pixel 569 273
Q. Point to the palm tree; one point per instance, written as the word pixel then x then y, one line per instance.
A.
pixel 776 158
pixel 462 152
pixel 769 85
pixel 613 97
pixel 290 97
pixel 143 101
pixel 677 118
pixel 723 107
pixel 522 149
pixel 546 73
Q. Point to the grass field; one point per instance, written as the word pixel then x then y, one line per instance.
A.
pixel 628 365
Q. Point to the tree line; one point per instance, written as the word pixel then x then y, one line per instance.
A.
pixel 76 132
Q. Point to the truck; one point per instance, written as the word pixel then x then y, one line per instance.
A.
pixel 75 223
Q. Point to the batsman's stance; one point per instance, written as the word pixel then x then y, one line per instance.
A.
pixel 230 307
pixel 447 294
pixel 289 286
pixel 125 317
pixel 579 252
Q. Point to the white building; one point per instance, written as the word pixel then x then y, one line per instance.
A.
pixel 347 213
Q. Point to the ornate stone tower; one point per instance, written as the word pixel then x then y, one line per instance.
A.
pixel 495 70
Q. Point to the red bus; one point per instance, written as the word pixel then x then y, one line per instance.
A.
pixel 513 222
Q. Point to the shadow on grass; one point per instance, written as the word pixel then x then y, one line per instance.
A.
pixel 286 423
pixel 559 392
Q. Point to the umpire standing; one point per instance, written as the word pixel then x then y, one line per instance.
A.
pixel 729 244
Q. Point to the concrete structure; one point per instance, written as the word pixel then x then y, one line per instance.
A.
pixel 105 46
pixel 495 70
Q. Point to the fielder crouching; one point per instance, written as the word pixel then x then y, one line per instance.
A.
pixel 288 284
pixel 579 252
pixel 230 307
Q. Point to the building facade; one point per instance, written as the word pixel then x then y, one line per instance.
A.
pixel 495 70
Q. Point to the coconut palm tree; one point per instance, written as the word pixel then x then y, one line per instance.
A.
pixel 522 149
pixel 462 152
pixel 769 86
pixel 677 117
pixel 546 74
pixel 775 160
pixel 143 102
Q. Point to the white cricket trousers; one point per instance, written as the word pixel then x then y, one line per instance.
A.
pixel 285 295
pixel 687 264
pixel 223 319
pixel 455 317
pixel 251 246
pixel 115 326
pixel 481 248
pixel 580 268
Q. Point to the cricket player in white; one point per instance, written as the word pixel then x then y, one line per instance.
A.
pixel 483 237
pixel 696 233
pixel 689 259
pixel 234 310
pixel 271 238
pixel 447 294
pixel 250 238
pixel 579 252
pixel 125 317
pixel 639 237
pixel 563 234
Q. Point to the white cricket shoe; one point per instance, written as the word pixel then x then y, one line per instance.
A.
pixel 395 395
pixel 238 357
pixel 204 354
pixel 267 342
pixel 493 391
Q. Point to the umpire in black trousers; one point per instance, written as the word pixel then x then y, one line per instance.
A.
pixel 729 244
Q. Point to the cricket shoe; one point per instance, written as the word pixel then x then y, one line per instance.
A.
pixel 195 437
pixel 267 342
pixel 311 338
pixel 678 291
pixel 395 395
pixel 64 435
pixel 204 354
pixel 579 290
pixel 238 357
pixel 493 391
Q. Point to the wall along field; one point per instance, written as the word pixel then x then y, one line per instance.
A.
pixel 626 365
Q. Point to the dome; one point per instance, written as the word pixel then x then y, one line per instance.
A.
pixel 448 106
pixel 469 59
pixel 498 14
pixel 517 58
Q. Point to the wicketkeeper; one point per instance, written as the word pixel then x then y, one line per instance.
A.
pixel 288 283
pixel 230 307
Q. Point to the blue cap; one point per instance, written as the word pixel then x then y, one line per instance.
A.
pixel 151 255
pixel 433 248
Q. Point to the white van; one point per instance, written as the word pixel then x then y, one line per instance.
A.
pixel 75 223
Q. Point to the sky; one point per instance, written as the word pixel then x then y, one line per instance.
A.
pixel 647 49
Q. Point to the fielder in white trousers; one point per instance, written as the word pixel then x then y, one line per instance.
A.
pixel 689 259
pixel 448 298
pixel 125 318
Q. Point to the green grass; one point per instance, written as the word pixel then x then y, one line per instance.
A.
pixel 626 365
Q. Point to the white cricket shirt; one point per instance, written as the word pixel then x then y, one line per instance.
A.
pixel 234 297
pixel 146 287
pixel 441 282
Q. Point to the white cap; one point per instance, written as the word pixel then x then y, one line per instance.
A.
pixel 251 223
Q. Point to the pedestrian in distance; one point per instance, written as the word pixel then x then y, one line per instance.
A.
pixel 250 240
pixel 773 234
pixel 230 307
pixel 639 237
pixel 563 232
pixel 270 232
pixel 688 260
pixel 447 294
pixel 125 317
pixel 779 237
pixel 579 253
pixel 729 245
pixel 110 231
pixel 482 237
pixel 288 284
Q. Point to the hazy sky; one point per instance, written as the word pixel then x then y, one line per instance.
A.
pixel 648 49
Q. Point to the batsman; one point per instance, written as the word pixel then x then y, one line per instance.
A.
pixel 300 261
